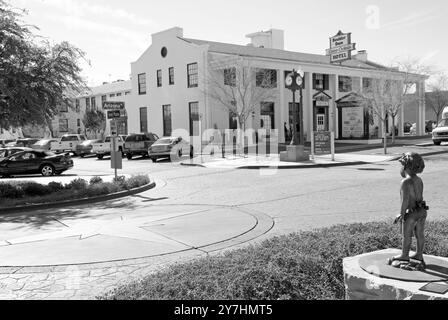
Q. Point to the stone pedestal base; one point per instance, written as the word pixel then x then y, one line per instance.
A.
pixel 294 154
pixel 375 284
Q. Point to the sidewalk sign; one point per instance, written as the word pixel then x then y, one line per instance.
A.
pixel 322 143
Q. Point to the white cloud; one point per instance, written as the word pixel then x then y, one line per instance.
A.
pixel 412 19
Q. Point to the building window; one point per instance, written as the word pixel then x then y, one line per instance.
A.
pixel 63 108
pixel 112 95
pixel 144 120
pixel 304 78
pixel 194 119
pixel 77 107
pixel 233 121
pixel 93 103
pixel 321 81
pixel 103 99
pixel 192 72
pixel 63 125
pixel 167 128
pixel 159 78
pixel 266 78
pixel 171 75
pixel 119 94
pixel 267 120
pixel 345 84
pixel 127 93
pixel 88 104
pixel 366 84
pixel 230 77
pixel 78 122
pixel 142 83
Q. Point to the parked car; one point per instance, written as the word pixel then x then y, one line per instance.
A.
pixel 85 148
pixel 429 126
pixel 3 143
pixel 440 134
pixel 103 148
pixel 8 151
pixel 67 143
pixel 170 147
pixel 407 127
pixel 34 161
pixel 138 144
pixel 24 143
pixel 44 144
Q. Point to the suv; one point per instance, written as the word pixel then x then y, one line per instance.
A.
pixel 138 144
pixel 440 134
pixel 67 143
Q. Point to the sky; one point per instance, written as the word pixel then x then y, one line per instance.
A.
pixel 114 33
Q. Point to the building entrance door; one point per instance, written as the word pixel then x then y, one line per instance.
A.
pixel 320 122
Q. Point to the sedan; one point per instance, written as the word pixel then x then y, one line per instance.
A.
pixel 170 147
pixel 25 142
pixel 8 151
pixel 43 145
pixel 85 148
pixel 30 162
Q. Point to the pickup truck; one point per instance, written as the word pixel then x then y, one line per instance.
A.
pixel 67 143
pixel 138 144
pixel 103 148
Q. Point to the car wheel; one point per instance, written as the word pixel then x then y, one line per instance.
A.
pixel 179 153
pixel 82 155
pixel 100 157
pixel 154 160
pixel 191 153
pixel 47 170
pixel 437 143
pixel 129 156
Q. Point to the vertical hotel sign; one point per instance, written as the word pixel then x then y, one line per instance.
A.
pixel 341 47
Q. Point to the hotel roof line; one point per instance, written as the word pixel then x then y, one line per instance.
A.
pixel 278 54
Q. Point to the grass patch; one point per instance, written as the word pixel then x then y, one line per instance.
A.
pixel 27 192
pixel 299 266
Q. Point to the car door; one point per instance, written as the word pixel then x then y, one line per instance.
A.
pixel 16 164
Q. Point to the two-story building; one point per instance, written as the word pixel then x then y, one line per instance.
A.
pixel 70 120
pixel 171 85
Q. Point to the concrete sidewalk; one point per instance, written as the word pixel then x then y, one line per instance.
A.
pixel 355 155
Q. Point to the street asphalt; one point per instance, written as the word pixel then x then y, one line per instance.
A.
pixel 80 252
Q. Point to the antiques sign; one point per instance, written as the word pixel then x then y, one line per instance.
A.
pixel 322 142
pixel 341 47
pixel 353 122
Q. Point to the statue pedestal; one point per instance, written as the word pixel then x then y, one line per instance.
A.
pixel 294 154
pixel 368 277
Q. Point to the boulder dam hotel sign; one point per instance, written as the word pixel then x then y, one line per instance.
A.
pixel 341 47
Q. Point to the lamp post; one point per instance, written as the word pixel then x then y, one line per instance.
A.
pixel 294 82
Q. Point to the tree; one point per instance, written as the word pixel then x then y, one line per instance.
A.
pixel 438 98
pixel 95 122
pixel 386 96
pixel 240 88
pixel 37 77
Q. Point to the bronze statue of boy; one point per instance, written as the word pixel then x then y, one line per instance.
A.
pixel 413 213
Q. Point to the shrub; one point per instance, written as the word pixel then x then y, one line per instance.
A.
pixel 77 184
pixel 33 189
pixel 10 191
pixel 137 181
pixel 120 180
pixel 305 265
pixel 95 180
pixel 56 186
pixel 97 189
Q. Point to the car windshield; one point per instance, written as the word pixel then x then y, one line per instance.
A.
pixel 443 123
pixel 107 139
pixel 165 141
pixel 69 138
pixel 3 153
pixel 135 138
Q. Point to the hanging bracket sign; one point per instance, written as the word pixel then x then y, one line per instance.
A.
pixel 341 47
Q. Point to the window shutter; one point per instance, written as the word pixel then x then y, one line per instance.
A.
pixel 314 81
pixel 326 82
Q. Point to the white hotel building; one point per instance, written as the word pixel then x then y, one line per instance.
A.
pixel 169 87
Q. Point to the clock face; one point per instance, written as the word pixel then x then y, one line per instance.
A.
pixel 299 81
pixel 288 81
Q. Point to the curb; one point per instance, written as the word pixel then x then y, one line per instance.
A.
pixel 77 202
pixel 305 166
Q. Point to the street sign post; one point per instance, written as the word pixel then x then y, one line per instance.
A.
pixel 113 105
pixel 113 114
pixel 116 156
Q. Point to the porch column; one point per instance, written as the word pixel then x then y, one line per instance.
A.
pixel 283 108
pixel 334 86
pixel 401 122
pixel 421 108
pixel 308 104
